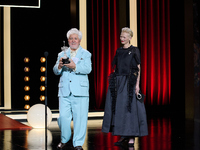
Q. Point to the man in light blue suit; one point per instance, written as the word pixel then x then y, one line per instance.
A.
pixel 73 90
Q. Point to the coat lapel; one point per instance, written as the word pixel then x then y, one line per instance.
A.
pixel 68 53
pixel 79 53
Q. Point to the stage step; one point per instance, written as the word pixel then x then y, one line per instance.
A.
pixel 21 115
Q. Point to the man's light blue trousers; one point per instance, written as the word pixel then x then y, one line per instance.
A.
pixel 76 108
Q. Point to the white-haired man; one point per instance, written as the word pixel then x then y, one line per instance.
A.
pixel 73 90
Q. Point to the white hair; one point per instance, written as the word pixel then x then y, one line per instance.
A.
pixel 127 30
pixel 74 31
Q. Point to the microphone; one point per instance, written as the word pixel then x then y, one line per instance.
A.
pixel 46 54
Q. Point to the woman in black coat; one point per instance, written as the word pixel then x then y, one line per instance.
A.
pixel 124 114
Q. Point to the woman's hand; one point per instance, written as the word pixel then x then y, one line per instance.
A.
pixel 137 89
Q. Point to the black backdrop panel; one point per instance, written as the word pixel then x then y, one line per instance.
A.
pixel 20 2
pixel 35 31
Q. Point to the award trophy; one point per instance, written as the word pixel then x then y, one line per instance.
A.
pixel 65 59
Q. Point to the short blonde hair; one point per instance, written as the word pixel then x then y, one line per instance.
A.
pixel 74 31
pixel 127 30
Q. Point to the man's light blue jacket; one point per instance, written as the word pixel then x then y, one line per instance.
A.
pixel 76 81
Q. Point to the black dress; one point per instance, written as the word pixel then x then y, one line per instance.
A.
pixel 124 115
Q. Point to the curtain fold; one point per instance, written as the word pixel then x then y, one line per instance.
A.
pixel 105 35
pixel 154 22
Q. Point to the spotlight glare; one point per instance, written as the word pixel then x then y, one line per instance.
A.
pixel 42 78
pixel 42 59
pixel 42 69
pixel 26 78
pixel 26 106
pixel 27 97
pixel 26 59
pixel 27 88
pixel 42 88
pixel 42 97
pixel 26 69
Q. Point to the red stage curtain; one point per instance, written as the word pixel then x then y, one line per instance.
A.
pixel 154 37
pixel 154 23
pixel 105 35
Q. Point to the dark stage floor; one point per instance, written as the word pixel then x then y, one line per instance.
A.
pixel 165 133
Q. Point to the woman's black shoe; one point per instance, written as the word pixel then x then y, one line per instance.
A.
pixel 120 143
pixel 130 144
